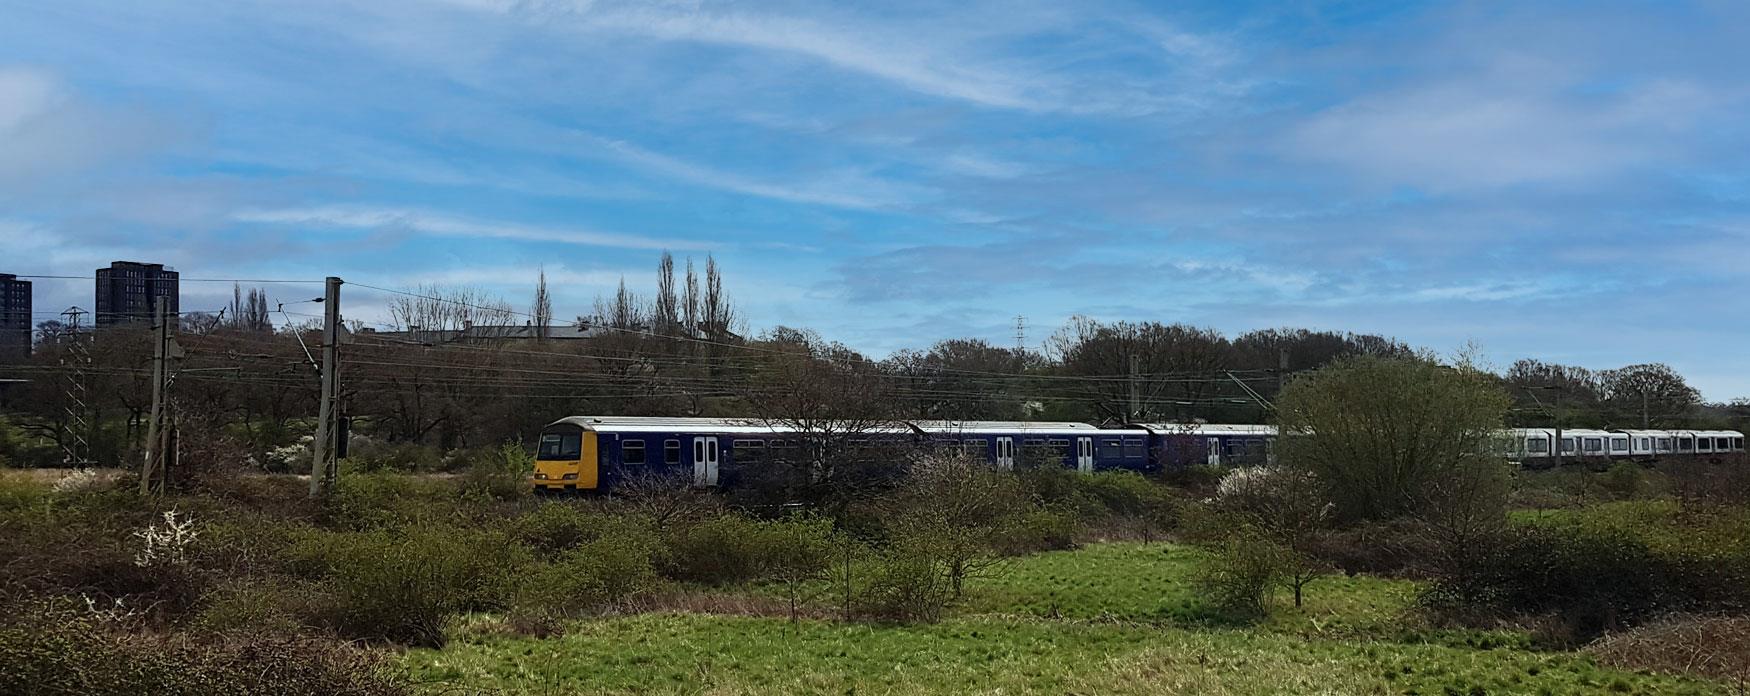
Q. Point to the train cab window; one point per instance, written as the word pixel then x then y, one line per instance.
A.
pixel 632 452
pixel 561 446
pixel 1110 449
pixel 671 452
pixel 1135 449
pixel 1536 445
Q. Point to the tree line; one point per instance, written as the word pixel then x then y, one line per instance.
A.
pixel 452 368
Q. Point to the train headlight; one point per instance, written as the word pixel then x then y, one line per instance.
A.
pixel 569 477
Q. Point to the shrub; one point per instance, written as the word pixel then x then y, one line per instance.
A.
pixel 1400 546
pixel 553 528
pixel 1241 575
pixel 50 652
pixel 501 474
pixel 1590 581
pixel 1712 647
pixel 1127 497
pixel 732 548
pixel 405 585
pixel 722 550
pixel 366 501
pixel 617 566
pixel 904 583
pixel 257 606
pixel 1624 480
pixel 1040 529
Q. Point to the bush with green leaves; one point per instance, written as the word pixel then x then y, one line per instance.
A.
pixel 406 584
pixel 1244 571
pixel 732 548
pixel 500 473
pixel 1383 434
pixel 618 565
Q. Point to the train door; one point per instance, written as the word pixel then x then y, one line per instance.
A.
pixel 1006 453
pixel 1213 449
pixel 705 461
pixel 1085 455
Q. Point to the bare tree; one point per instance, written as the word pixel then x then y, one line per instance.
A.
pixel 625 311
pixel 442 308
pixel 690 305
pixel 665 315
pixel 718 316
pixel 543 308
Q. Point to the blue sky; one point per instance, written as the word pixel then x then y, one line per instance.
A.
pixel 1564 180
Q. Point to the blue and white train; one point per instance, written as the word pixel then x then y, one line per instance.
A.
pixel 593 453
pixel 600 452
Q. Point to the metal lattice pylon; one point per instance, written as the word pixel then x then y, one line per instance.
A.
pixel 76 362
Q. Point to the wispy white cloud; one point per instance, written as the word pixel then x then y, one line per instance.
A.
pixel 46 132
pixel 427 222
pixel 840 188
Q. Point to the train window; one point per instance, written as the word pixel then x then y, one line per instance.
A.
pixel 1737 443
pixel 1134 449
pixel 1034 442
pixel 748 444
pixel 671 451
pixel 1536 445
pixel 632 452
pixel 1705 444
pixel 1567 444
pixel 561 446
pixel 1619 444
pixel 1644 443
pixel 1111 449
pixel 1664 444
pixel 1722 443
pixel 1685 444
pixel 1594 444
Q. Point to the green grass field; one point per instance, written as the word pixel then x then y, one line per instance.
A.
pixel 1110 618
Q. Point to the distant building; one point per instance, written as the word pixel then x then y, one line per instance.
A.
pixel 14 317
pixel 125 291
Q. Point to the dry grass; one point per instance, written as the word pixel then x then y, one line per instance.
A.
pixel 1715 647
pixel 48 477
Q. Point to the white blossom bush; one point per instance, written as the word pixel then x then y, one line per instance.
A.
pixel 76 480
pixel 114 612
pixel 292 456
pixel 167 543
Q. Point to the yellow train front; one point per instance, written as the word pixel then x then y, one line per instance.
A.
pixel 567 459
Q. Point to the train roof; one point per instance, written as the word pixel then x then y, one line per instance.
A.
pixel 1001 427
pixel 1209 429
pixel 663 424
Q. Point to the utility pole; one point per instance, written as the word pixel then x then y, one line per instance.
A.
pixel 324 464
pixel 1281 371
pixel 151 471
pixel 1135 394
pixel 1558 413
pixel 1644 419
